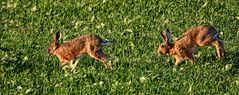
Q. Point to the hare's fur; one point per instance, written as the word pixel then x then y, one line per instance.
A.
pixel 90 44
pixel 185 46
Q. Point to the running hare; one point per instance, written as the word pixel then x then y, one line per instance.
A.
pixel 91 44
pixel 184 47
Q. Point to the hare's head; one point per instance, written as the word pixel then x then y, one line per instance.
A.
pixel 55 44
pixel 165 46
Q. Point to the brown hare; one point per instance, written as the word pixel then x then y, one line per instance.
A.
pixel 185 46
pixel 68 51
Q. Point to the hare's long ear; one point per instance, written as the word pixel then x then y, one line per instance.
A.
pixel 57 37
pixel 166 37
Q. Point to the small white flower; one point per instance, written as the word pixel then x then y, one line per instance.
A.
pixel 104 1
pixel 101 82
pixel 100 25
pixel 12 5
pixel 28 90
pixel 66 74
pixel 142 79
pixel 25 58
pixel 237 17
pixel 116 83
pixel 190 88
pixel 58 85
pixel 237 82
pixel 174 70
pixel 129 30
pixel 129 82
pixel 19 87
pixel 221 33
pixel 228 66
pixel 34 8
pixel 92 18
pixel 181 69
pixel 205 4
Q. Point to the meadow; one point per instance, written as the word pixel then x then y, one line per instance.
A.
pixel 134 27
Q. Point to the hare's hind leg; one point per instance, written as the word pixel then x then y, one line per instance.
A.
pixel 99 55
pixel 219 44
pixel 216 41
pixel 207 41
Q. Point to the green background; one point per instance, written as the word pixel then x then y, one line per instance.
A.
pixel 134 27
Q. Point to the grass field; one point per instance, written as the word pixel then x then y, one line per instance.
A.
pixel 134 26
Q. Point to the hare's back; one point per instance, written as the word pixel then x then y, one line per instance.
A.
pixel 202 35
pixel 201 32
pixel 90 39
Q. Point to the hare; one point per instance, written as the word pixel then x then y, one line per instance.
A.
pixel 68 51
pixel 185 46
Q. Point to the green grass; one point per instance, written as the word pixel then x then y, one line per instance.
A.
pixel 134 26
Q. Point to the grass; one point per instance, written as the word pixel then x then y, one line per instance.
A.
pixel 134 26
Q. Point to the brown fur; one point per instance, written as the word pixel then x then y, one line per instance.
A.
pixel 90 44
pixel 185 46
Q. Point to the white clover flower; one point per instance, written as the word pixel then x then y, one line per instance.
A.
pixel 34 8
pixel 12 5
pixel 142 79
pixel 228 66
pixel 19 87
pixel 28 90
pixel 25 58
pixel 101 82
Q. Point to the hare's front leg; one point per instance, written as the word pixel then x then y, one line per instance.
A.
pixel 64 62
pixel 191 58
pixel 178 60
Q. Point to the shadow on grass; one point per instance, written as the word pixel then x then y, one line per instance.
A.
pixel 4 49
pixel 16 64
pixel 14 61
pixel 233 59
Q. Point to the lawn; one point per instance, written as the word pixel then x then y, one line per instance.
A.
pixel 134 26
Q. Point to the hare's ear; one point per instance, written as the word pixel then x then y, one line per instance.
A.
pixel 57 37
pixel 166 37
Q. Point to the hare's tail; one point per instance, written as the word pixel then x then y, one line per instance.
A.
pixel 218 38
